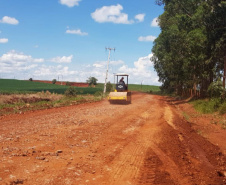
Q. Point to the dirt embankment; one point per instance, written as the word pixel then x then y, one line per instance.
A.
pixel 146 142
pixel 76 84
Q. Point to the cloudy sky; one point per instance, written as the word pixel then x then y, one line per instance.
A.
pixel 66 39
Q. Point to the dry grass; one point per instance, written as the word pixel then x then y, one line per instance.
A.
pixel 29 98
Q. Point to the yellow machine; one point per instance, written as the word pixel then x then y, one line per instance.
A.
pixel 121 93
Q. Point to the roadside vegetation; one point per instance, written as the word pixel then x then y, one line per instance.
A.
pixel 207 106
pixel 189 54
pixel 19 103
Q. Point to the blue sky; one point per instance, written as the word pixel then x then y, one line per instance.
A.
pixel 66 39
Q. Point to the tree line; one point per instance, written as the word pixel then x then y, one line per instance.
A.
pixel 190 52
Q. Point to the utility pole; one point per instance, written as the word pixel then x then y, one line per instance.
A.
pixel 107 67
pixel 61 79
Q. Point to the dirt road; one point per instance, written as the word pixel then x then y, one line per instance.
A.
pixel 146 142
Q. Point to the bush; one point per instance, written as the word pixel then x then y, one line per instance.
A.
pixel 98 93
pixel 206 107
pixel 109 87
pixel 216 90
pixel 71 91
pixel 30 79
pixel 54 81
pixel 68 83
pixel 222 109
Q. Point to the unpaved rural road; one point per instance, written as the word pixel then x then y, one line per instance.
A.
pixel 146 142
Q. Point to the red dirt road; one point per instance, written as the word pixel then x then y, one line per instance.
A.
pixel 146 142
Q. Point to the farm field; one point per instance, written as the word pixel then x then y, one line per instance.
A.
pixel 146 142
pixel 22 86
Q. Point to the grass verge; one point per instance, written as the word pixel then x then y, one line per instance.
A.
pixel 209 106
pixel 10 104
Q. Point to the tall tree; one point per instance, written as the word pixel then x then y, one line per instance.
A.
pixel 189 50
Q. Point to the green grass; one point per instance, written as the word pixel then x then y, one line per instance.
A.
pixel 210 106
pixel 8 86
pixel 144 88
pixel 136 87
pixel 186 116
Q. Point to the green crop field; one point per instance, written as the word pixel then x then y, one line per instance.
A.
pixel 143 88
pixel 136 87
pixel 8 86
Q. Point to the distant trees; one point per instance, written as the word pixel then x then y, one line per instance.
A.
pixel 191 47
pixel 68 83
pixel 54 81
pixel 92 81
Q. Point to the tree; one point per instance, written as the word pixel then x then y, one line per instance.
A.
pixel 92 81
pixel 30 79
pixel 54 81
pixel 191 47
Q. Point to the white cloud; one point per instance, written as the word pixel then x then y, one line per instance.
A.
pixel 98 65
pixel 140 17
pixel 155 22
pixel 63 59
pixel 51 72
pixel 70 3
pixel 13 62
pixel 142 71
pixel 149 38
pixel 3 40
pixel 25 66
pixel 111 14
pixel 9 20
pixel 76 32
pixel 118 62
pixel 16 57
pixel 21 66
pixel 103 64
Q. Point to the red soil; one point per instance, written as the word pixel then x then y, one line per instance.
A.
pixel 146 142
pixel 76 84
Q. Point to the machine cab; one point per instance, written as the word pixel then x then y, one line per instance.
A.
pixel 121 82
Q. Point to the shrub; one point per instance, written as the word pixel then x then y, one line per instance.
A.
pixel 206 107
pixel 68 83
pixel 216 89
pixel 222 109
pixel 98 93
pixel 54 81
pixel 109 87
pixel 71 91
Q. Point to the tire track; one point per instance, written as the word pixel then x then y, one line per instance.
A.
pixel 128 166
